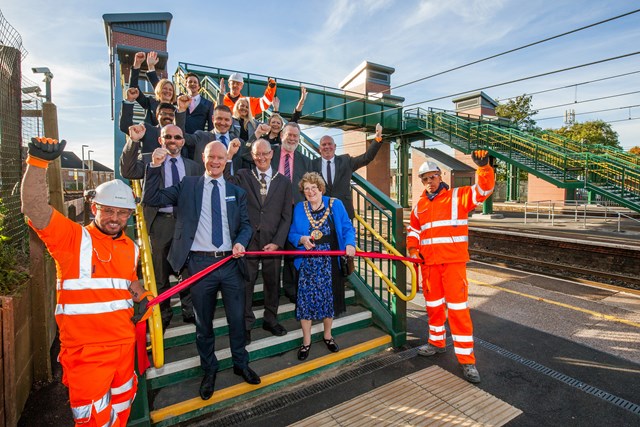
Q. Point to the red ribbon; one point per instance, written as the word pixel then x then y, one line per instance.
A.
pixel 141 327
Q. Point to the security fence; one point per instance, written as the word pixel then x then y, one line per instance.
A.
pixel 11 54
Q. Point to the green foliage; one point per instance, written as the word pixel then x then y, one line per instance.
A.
pixel 13 263
pixel 635 150
pixel 519 111
pixel 594 132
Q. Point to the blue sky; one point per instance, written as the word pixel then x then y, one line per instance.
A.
pixel 322 41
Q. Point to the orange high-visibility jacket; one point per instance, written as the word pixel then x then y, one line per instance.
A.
pixel 258 105
pixel 94 270
pixel 438 227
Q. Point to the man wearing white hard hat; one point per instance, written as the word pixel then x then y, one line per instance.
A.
pixel 438 235
pixel 97 286
pixel 236 82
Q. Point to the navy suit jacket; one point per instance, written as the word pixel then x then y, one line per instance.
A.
pixel 201 116
pixel 187 198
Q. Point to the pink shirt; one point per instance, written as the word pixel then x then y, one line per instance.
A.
pixel 283 153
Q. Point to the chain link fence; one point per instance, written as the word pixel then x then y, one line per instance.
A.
pixel 11 55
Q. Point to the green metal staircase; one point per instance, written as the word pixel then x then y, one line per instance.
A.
pixel 552 159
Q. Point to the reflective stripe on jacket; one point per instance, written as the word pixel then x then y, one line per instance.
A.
pixel 438 227
pixel 94 305
pixel 258 105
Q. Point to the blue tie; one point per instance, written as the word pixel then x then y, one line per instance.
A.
pixel 216 216
pixel 223 139
pixel 175 176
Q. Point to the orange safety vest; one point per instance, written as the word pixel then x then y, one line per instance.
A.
pixel 258 105
pixel 94 271
pixel 438 227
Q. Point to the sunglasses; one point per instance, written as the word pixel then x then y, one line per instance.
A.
pixel 174 137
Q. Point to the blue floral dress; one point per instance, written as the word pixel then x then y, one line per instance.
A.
pixel 315 294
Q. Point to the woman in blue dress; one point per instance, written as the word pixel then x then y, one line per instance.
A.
pixel 320 223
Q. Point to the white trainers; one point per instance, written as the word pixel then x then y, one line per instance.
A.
pixel 470 373
pixel 430 349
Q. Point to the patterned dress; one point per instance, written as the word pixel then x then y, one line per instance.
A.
pixel 315 294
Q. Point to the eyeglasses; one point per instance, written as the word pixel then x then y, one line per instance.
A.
pixel 262 155
pixel 311 188
pixel 121 213
pixel 174 137
pixel 430 178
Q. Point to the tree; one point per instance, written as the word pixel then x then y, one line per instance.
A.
pixel 519 111
pixel 635 150
pixel 592 132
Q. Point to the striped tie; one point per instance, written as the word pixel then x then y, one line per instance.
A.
pixel 287 168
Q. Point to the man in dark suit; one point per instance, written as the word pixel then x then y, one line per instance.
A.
pixel 337 170
pixel 292 164
pixel 212 223
pixel 200 111
pixel 269 202
pixel 224 130
pixel 161 220
pixel 165 114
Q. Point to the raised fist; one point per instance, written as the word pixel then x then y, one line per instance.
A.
pixel 262 129
pixel 138 59
pixel 233 148
pixel 272 82
pixel 132 94
pixel 223 88
pixel 183 103
pixel 158 156
pixel 136 132
pixel 46 149
pixel 378 130
pixel 480 157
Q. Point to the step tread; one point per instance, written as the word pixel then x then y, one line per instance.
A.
pixel 179 399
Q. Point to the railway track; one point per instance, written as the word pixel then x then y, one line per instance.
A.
pixel 576 260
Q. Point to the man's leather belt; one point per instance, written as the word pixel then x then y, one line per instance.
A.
pixel 214 254
pixel 165 214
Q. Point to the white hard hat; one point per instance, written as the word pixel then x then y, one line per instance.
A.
pixel 428 167
pixel 115 193
pixel 236 77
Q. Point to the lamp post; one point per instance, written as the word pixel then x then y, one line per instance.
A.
pixel 90 168
pixel 47 80
pixel 84 187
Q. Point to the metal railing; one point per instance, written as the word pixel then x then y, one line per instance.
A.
pixel 562 211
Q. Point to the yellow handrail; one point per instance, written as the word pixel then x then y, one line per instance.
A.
pixel 155 320
pixel 392 287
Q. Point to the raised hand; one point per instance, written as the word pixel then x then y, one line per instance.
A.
pixel 138 59
pixel 132 94
pixel 378 131
pixel 272 82
pixel 262 129
pixel 152 60
pixel 233 148
pixel 158 156
pixel 223 88
pixel 46 149
pixel 136 132
pixel 183 103
pixel 276 104
pixel 480 157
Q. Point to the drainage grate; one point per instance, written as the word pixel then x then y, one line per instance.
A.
pixel 594 391
pixel 286 400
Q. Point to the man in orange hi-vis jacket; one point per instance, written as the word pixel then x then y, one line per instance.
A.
pixel 97 285
pixel 438 234
pixel 257 105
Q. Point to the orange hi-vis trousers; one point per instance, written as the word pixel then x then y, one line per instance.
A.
pixel 101 382
pixel 446 284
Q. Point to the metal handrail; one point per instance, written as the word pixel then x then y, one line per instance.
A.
pixel 391 286
pixel 155 320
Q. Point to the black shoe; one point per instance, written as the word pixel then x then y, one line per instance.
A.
pixel 189 319
pixel 207 385
pixel 292 298
pixel 331 345
pixel 247 374
pixel 303 352
pixel 277 329
pixel 247 337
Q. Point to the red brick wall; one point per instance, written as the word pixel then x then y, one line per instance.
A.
pixel 139 41
pixel 538 189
